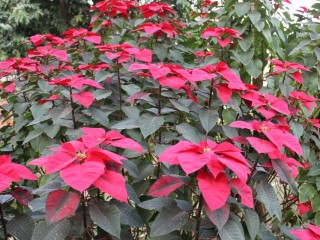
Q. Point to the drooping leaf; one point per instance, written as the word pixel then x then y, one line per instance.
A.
pixel 215 191
pixel 306 192
pixel 242 8
pixel 165 185
pixel 208 118
pixel 169 219
pixel 252 222
pixel 21 226
pixel 107 217
pixel 61 204
pixel 55 231
pixel 157 203
pixel 267 195
pixel 220 216
pixel 149 124
pixel 231 231
pixel 82 176
pixel 23 196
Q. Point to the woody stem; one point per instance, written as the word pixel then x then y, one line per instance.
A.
pixel 72 111
pixel 3 223
pixel 197 233
pixel 210 95
pixel 84 216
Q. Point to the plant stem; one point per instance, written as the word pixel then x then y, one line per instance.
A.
pixel 3 223
pixel 210 96
pixel 84 216
pixel 197 233
pixel 160 131
pixel 72 111
pixel 120 93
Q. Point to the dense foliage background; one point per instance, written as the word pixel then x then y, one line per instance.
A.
pixel 144 120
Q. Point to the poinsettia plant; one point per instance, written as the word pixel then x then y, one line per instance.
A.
pixel 145 125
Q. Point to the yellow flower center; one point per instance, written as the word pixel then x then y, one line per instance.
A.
pixel 207 149
pixel 264 128
pixel 81 155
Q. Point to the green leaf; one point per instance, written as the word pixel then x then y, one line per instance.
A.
pixel 254 16
pixel 317 218
pixel 157 203
pixel 208 118
pixel 169 219
pixel 254 68
pixel 285 173
pixel 178 105
pixel 21 226
pixel 242 8
pixel 299 46
pixel 259 25
pixel 126 124
pixel 252 222
pixel 56 231
pixel 100 116
pixel 220 216
pixel 129 215
pixel 231 231
pixel 33 134
pixel 161 51
pixel 189 132
pixel 314 171
pixel 107 217
pixel 244 57
pixel 306 192
pixel 315 202
pixel 267 195
pixel 247 41
pixel 149 124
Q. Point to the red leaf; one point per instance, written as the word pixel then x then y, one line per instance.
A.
pixel 61 204
pixel 116 139
pixel 93 39
pixel 170 155
pixel 304 234
pixel 224 93
pixel 297 76
pixel 241 124
pixel 82 176
pixel 215 191
pixel 244 191
pixel 292 143
pixel 172 81
pixel 84 98
pixel 137 96
pixel 23 196
pixel 234 80
pixel 165 185
pixel 262 146
pixel 113 184
pixel 193 161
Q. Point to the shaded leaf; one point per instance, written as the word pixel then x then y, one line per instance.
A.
pixel 21 226
pixel 169 219
pixel 107 217
pixel 267 195
pixel 55 231
pixel 149 124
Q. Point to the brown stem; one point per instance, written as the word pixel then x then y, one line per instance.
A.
pixel 120 93
pixel 84 217
pixel 3 223
pixel 72 111
pixel 210 96
pixel 197 233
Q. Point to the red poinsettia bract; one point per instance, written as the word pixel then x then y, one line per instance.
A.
pixel 161 9
pixel 287 66
pixel 313 233
pixel 277 135
pixel 211 160
pixel 114 8
pixel 84 162
pixel 158 29
pixel 12 172
pixel 221 34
